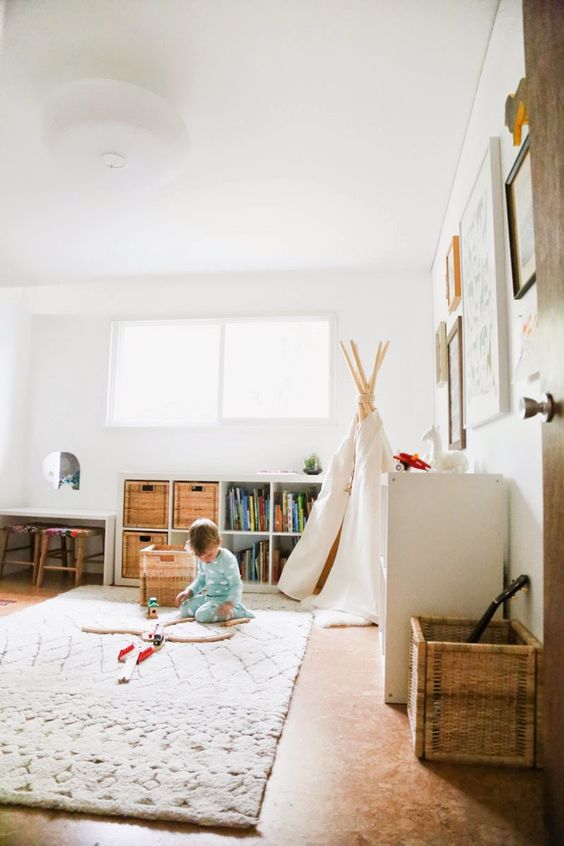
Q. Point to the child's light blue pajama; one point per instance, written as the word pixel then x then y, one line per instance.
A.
pixel 215 584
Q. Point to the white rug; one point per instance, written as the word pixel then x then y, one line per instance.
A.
pixel 326 619
pixel 191 738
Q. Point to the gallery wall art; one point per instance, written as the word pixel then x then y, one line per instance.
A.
pixel 519 196
pixel 483 280
pixel 456 430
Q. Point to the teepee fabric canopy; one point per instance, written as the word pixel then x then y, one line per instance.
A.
pixel 349 502
pixel 305 564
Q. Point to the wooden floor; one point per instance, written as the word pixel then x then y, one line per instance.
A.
pixel 345 773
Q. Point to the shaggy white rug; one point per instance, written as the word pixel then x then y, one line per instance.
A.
pixel 326 618
pixel 331 619
pixel 192 737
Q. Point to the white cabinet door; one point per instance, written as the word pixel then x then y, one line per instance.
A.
pixel 443 556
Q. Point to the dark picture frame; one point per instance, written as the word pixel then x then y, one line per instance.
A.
pixel 456 430
pixel 519 198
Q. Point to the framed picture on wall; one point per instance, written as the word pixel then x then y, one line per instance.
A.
pixel 456 430
pixel 519 197
pixel 452 274
pixel 441 354
pixel 482 259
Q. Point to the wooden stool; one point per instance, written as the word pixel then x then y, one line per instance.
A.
pixel 72 559
pixel 32 531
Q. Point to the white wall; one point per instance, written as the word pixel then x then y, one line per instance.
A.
pixel 70 351
pixel 14 352
pixel 507 445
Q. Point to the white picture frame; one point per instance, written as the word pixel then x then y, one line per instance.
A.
pixel 482 254
pixel 441 374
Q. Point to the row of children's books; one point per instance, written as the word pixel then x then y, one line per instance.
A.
pixel 253 562
pixel 247 510
pixel 292 509
pixel 279 558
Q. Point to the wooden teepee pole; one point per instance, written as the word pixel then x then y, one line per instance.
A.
pixel 365 387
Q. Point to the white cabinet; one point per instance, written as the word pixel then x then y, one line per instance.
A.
pixel 260 517
pixel 442 555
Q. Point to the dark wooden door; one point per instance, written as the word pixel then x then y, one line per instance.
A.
pixel 544 60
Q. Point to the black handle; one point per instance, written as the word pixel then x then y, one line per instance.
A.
pixel 506 594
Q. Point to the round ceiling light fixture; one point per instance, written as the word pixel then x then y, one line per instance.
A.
pixel 112 134
pixel 115 160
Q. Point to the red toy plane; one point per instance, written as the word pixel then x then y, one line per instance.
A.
pixel 406 460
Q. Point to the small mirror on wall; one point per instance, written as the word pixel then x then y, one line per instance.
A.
pixel 61 470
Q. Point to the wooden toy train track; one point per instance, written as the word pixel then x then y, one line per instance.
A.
pixel 132 654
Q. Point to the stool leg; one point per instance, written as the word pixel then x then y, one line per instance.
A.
pixel 5 534
pixel 79 552
pixel 42 558
pixel 66 551
pixel 36 554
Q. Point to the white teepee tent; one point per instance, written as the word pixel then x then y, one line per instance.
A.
pixel 346 514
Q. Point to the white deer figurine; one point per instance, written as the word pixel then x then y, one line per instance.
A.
pixel 446 462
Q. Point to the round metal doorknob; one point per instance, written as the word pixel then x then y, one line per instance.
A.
pixel 530 408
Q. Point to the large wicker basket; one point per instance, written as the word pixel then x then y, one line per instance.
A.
pixel 193 500
pixel 145 504
pixel 165 571
pixel 132 544
pixel 475 702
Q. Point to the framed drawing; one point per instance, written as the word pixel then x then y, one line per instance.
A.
pixel 441 354
pixel 456 430
pixel 482 262
pixel 453 286
pixel 528 364
pixel 519 197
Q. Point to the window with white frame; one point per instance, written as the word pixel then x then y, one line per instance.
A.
pixel 204 372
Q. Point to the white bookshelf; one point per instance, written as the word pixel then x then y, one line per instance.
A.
pixel 233 539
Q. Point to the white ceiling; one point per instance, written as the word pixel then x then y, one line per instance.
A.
pixel 322 133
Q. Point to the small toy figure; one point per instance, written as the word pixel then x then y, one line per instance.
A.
pixel 152 606
pixel 444 462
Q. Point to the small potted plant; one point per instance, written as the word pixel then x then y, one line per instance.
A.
pixel 312 465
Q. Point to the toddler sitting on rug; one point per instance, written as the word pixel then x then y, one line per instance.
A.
pixel 215 594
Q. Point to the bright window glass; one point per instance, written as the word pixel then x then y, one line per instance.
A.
pixel 277 369
pixel 205 372
pixel 165 373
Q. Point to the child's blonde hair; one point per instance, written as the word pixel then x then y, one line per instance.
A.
pixel 204 535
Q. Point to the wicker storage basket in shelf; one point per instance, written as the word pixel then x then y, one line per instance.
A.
pixel 193 500
pixel 475 702
pixel 132 544
pixel 165 571
pixel 146 505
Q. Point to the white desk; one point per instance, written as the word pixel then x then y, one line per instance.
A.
pixel 73 517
